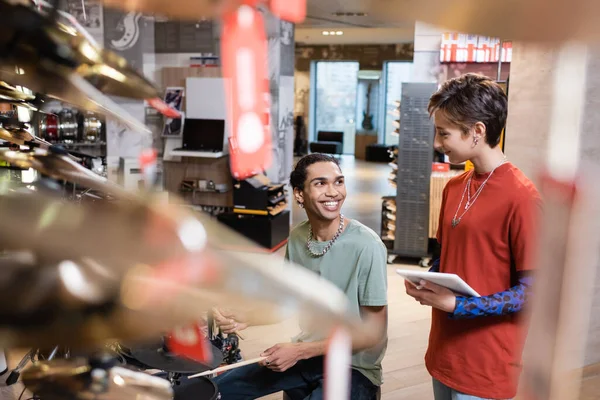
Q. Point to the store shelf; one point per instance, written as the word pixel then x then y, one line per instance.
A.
pixel 413 159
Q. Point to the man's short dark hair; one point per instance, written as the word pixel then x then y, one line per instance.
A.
pixel 298 175
pixel 473 98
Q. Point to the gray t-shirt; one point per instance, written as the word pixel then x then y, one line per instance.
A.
pixel 357 264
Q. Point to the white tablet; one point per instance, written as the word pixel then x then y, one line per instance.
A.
pixel 450 281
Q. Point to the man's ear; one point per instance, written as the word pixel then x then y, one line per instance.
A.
pixel 299 196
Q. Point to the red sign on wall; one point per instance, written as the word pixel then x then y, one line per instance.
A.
pixel 460 47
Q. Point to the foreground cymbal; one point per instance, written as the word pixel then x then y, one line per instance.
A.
pixel 21 136
pixel 151 267
pixel 531 20
pixel 10 93
pixel 178 9
pixel 47 63
pixel 105 70
pixel 80 379
pixel 118 82
pixel 123 233
pixel 58 164
pixel 15 136
pixel 67 86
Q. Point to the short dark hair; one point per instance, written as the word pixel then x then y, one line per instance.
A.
pixel 298 175
pixel 472 98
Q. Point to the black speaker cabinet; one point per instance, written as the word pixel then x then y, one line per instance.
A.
pixel 267 230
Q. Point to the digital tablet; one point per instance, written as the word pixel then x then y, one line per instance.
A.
pixel 449 281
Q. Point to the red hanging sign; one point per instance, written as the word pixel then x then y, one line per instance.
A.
pixel 244 60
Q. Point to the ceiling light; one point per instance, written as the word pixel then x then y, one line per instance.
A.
pixel 326 33
pixel 332 32
pixel 339 33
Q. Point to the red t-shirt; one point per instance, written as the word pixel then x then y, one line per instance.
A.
pixel 482 356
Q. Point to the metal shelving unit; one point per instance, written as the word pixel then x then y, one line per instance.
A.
pixel 413 171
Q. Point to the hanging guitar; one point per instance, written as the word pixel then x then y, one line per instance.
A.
pixel 367 123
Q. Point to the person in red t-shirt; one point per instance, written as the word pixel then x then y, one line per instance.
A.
pixel 486 232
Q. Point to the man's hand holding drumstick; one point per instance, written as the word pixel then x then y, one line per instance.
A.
pixel 229 321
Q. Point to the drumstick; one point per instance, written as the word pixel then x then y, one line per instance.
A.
pixel 239 335
pixel 228 367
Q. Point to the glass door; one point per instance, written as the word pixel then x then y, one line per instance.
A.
pixel 396 72
pixel 335 100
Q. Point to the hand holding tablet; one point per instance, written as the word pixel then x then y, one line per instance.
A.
pixel 452 282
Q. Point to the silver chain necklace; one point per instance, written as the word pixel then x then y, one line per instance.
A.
pixel 309 240
pixel 471 201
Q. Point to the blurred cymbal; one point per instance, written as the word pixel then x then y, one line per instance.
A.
pixel 10 93
pixel 117 234
pixel 14 131
pixel 77 379
pixel 45 60
pixel 52 163
pixel 122 82
pixel 69 87
pixel 154 266
pixel 105 70
pixel 15 137
pixel 532 20
pixel 178 9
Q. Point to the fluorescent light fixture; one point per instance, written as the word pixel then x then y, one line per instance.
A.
pixel 339 33
pixel 325 33
pixel 332 32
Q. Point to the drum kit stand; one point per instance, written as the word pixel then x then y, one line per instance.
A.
pixel 152 359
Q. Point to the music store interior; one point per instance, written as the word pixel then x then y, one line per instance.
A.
pixel 144 185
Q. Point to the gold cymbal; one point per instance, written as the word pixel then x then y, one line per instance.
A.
pixel 531 20
pixel 57 166
pixel 54 73
pixel 118 82
pixel 10 93
pixel 119 234
pixel 104 69
pixel 155 266
pixel 77 379
pixel 13 136
pixel 64 85
pixel 179 9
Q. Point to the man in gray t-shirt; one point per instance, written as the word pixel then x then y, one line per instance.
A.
pixel 352 257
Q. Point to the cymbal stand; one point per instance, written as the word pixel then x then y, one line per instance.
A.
pixel 173 378
pixel 15 374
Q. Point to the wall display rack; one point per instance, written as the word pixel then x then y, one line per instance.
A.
pixel 405 216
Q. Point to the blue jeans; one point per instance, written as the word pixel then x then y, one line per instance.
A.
pixel 443 392
pixel 303 381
